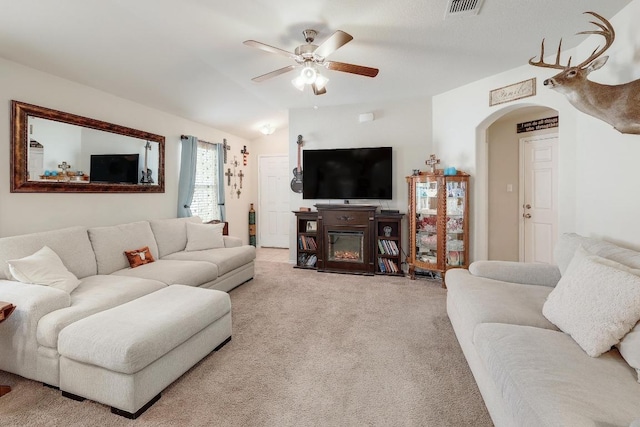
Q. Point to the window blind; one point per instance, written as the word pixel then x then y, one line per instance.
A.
pixel 205 195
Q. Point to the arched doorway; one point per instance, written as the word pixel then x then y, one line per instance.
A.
pixel 499 180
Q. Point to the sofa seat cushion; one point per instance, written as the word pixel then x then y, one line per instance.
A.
pixel 171 272
pixel 129 337
pixel 227 259
pixel 547 380
pixel 481 300
pixel 93 295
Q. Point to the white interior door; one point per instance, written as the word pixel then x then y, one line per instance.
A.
pixel 273 191
pixel 539 197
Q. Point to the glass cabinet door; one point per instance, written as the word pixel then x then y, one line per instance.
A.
pixel 455 232
pixel 439 222
pixel 426 194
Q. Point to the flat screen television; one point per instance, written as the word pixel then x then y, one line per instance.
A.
pixel 347 173
pixel 114 168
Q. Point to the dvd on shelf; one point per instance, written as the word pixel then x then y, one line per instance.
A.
pixel 307 260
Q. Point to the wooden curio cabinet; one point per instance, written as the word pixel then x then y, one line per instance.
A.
pixel 438 222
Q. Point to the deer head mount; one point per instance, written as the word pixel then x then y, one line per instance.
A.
pixel 618 105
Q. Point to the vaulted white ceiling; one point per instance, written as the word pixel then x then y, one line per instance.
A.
pixel 186 57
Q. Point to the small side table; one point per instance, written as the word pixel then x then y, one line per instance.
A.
pixel 5 311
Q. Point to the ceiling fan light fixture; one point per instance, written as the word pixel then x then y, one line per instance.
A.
pixel 298 83
pixel 309 74
pixel 321 81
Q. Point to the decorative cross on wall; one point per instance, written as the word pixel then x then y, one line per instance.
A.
pixel 240 175
pixel 235 174
pixel 238 192
pixel 432 162
pixel 225 147
pixel 245 155
pixel 228 174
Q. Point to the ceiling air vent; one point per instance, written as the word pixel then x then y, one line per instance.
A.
pixel 463 8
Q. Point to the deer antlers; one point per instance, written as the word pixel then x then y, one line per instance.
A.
pixel 606 30
pixel 541 62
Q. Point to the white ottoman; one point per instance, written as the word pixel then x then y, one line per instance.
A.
pixel 124 357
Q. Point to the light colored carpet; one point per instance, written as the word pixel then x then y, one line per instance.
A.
pixel 308 349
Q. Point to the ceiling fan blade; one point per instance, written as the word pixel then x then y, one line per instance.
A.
pixel 333 43
pixel 270 49
pixel 274 73
pixel 318 91
pixel 352 68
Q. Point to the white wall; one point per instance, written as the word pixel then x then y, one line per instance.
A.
pixel 28 212
pixel 61 142
pixel 597 182
pixel 404 125
pixel 237 206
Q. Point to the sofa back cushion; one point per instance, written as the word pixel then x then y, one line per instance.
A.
pixel 171 234
pixel 568 244
pixel 110 243
pixel 71 244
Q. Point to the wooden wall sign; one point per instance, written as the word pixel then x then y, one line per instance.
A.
pixel 546 123
pixel 512 92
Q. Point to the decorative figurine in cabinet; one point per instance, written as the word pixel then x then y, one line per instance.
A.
pixel 438 222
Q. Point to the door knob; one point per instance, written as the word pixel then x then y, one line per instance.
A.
pixel 526 215
pixel 527 206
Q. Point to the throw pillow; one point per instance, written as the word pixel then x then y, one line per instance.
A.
pixel 629 348
pixel 629 345
pixel 138 257
pixel 204 236
pixel 43 268
pixel 595 303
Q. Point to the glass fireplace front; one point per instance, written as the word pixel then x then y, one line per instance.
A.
pixel 345 246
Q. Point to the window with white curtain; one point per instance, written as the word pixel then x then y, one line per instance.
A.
pixel 205 195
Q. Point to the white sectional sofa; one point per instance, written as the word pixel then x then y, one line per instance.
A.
pixel 29 338
pixel 529 372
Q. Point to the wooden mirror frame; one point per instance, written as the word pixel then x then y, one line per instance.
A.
pixel 20 112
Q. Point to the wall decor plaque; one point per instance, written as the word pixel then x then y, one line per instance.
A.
pixel 546 123
pixel 512 92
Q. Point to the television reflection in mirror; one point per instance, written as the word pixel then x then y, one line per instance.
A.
pixel 114 168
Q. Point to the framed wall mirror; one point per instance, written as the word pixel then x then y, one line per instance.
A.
pixel 53 151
